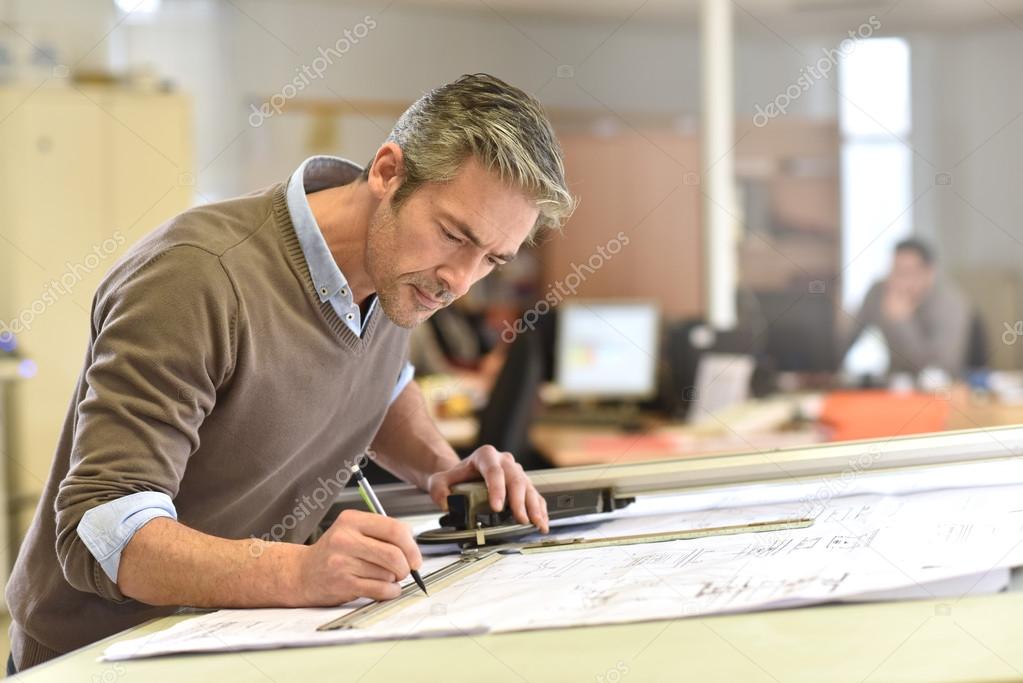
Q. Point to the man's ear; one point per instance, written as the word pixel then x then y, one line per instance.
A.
pixel 388 170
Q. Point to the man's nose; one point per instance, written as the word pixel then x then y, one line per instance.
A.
pixel 460 283
pixel 459 277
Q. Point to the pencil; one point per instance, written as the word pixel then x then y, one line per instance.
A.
pixel 374 505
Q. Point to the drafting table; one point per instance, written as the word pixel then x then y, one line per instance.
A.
pixel 971 639
pixel 974 640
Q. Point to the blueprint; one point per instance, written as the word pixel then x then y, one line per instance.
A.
pixel 940 543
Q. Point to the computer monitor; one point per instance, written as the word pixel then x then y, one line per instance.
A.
pixel 800 335
pixel 607 350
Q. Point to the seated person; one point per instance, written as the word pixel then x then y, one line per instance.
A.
pixel 455 342
pixel 925 319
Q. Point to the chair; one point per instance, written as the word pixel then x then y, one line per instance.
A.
pixel 976 346
pixel 505 420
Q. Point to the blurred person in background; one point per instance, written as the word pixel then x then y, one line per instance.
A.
pixel 456 341
pixel 924 318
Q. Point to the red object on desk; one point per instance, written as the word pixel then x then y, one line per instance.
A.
pixel 876 414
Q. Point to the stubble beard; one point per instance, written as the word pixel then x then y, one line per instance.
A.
pixel 382 248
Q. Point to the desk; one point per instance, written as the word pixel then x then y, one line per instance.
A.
pixel 947 640
pixel 460 432
pixel 451 400
pixel 859 415
pixel 570 445
pixel 973 639
pixel 971 412
pixel 755 426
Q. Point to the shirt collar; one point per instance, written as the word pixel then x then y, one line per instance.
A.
pixel 314 174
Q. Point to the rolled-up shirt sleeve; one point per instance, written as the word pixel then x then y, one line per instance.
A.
pixel 107 528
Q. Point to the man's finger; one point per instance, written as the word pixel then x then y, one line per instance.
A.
pixel 368 570
pixel 440 486
pixel 440 490
pixel 406 543
pixel 493 475
pixel 375 590
pixel 517 485
pixel 386 556
pixel 537 508
pixel 386 529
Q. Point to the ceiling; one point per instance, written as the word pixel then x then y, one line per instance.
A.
pixel 790 15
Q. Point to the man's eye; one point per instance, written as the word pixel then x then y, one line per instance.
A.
pixel 451 238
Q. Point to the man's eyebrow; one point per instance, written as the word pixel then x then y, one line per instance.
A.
pixel 472 236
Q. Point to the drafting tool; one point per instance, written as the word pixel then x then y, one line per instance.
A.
pixel 473 560
pixel 582 491
pixel 556 544
pixel 468 563
pixel 872 538
pixel 576 491
pixel 625 481
pixel 470 521
pixel 369 497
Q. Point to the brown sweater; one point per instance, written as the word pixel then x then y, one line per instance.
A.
pixel 214 374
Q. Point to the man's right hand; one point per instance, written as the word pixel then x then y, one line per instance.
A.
pixel 361 555
pixel 897 305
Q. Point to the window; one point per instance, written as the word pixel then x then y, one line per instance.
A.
pixel 875 124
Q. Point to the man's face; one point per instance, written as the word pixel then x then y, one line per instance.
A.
pixel 911 276
pixel 445 237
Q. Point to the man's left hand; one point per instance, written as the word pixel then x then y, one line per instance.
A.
pixel 506 480
pixel 897 305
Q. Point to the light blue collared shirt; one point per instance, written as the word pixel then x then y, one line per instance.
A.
pixel 315 174
pixel 106 529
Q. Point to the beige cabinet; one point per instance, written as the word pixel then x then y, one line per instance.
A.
pixel 84 173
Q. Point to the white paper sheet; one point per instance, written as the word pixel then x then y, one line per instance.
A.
pixel 859 545
pixel 865 545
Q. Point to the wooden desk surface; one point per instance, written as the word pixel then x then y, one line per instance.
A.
pixel 566 445
pixel 569 445
pixel 972 639
pixel 970 412
pixel 460 432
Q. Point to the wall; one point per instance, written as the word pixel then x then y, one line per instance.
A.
pixel 229 56
pixel 617 69
pixel 968 121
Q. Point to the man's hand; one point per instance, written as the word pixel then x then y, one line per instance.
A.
pixel 505 479
pixel 897 305
pixel 360 555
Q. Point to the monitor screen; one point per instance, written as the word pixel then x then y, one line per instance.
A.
pixel 800 335
pixel 607 349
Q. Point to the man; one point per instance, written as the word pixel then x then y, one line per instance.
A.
pixel 925 320
pixel 243 356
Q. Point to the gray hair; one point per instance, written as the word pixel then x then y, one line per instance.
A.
pixel 501 126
